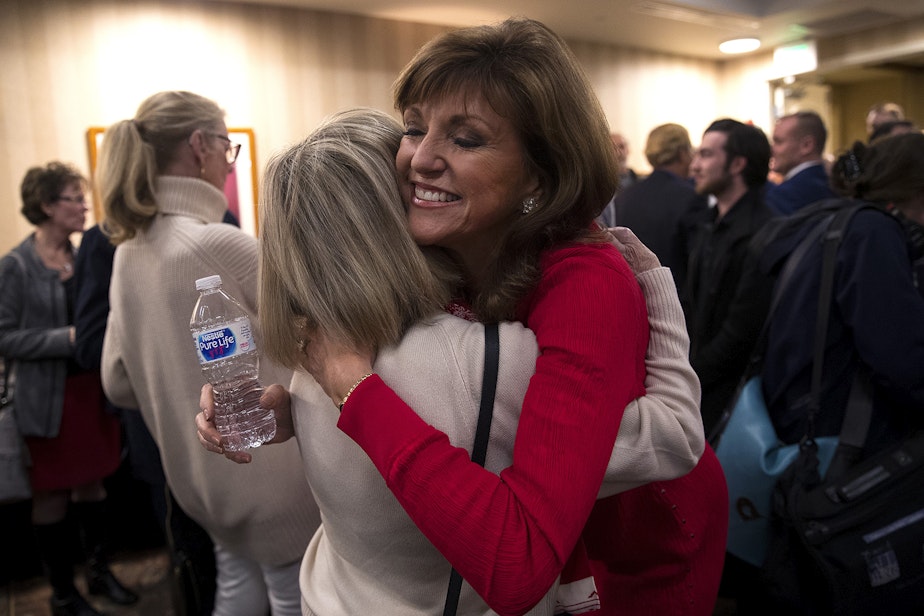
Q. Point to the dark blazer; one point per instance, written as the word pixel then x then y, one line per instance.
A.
pixel 92 269
pixel 725 299
pixel 807 186
pixel 655 209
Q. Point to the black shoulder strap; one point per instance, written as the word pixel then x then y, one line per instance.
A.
pixel 488 388
pixel 825 213
pixel 859 410
pixel 832 241
pixel 482 432
pixel 792 262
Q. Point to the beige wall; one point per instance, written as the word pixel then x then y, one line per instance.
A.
pixel 67 66
pixel 640 90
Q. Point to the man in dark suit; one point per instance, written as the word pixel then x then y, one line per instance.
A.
pixel 798 144
pixel 655 207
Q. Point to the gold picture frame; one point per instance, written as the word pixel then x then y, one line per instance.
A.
pixel 240 189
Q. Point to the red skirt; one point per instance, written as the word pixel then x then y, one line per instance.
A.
pixel 88 445
pixel 660 548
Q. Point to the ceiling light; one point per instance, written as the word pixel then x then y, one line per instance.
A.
pixel 739 45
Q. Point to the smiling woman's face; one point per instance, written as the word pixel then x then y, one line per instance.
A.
pixel 463 175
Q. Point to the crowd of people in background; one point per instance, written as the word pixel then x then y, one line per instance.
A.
pixel 726 282
pixel 619 350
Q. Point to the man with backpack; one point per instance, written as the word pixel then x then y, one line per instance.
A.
pixel 874 345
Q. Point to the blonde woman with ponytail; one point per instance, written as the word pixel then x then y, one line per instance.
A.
pixel 162 176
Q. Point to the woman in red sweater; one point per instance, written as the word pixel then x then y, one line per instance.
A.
pixel 505 163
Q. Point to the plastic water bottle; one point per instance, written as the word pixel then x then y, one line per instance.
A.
pixel 228 356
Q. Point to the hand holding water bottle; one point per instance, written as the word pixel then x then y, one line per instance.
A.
pixel 275 397
pixel 224 344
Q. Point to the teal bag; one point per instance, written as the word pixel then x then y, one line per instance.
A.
pixel 745 441
pixel 753 458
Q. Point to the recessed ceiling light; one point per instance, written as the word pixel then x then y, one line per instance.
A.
pixel 739 45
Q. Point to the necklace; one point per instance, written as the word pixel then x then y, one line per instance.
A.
pixel 65 268
pixel 54 258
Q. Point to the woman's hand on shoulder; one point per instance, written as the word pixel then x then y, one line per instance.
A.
pixel 275 397
pixel 335 365
pixel 636 254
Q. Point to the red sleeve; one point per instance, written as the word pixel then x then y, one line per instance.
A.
pixel 510 535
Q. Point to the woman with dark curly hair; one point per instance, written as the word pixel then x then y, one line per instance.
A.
pixel 72 441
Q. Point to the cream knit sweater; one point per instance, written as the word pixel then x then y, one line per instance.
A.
pixel 263 510
pixel 368 556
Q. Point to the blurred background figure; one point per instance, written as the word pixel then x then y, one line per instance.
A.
pixel 892 128
pixel 655 208
pixel 73 442
pixel 627 177
pixel 191 548
pixel 798 157
pixel 876 324
pixel 880 113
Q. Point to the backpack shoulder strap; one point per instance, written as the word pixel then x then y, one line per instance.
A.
pixel 831 243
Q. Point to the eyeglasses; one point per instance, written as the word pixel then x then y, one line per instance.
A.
pixel 81 199
pixel 233 148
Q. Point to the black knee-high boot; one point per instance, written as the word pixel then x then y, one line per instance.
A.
pixel 100 580
pixel 54 545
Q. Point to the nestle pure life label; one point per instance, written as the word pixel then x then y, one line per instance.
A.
pixel 225 341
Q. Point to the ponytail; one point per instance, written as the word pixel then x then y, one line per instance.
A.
pixel 126 181
pixel 136 151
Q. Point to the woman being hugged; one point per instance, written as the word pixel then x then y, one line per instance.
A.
pixel 162 174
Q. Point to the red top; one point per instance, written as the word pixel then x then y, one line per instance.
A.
pixel 510 535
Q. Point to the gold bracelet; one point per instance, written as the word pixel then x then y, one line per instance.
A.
pixel 355 385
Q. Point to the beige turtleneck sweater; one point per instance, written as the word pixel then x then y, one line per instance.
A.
pixel 263 510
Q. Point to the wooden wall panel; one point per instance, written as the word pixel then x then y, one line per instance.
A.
pixel 67 66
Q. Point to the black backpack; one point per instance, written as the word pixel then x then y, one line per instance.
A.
pixel 848 542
